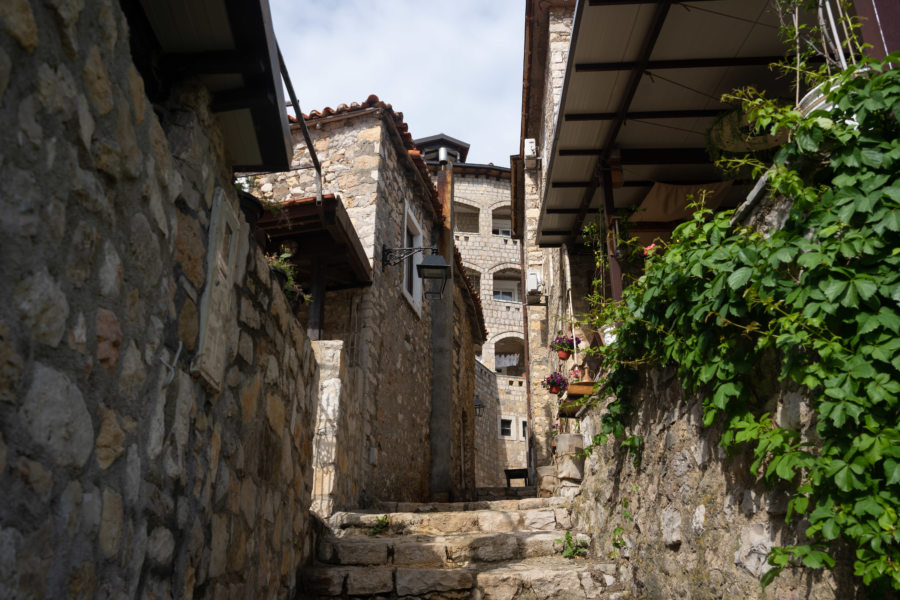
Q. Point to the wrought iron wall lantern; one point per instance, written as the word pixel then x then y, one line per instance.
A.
pixel 479 406
pixel 433 270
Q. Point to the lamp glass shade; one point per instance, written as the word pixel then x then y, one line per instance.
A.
pixel 433 267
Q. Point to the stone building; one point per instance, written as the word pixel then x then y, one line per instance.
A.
pixel 380 327
pixel 492 258
pixel 618 99
pixel 157 395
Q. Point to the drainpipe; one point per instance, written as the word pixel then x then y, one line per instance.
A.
pixel 442 417
pixel 303 127
pixel 529 451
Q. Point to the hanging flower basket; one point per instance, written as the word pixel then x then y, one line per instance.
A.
pixel 564 345
pixel 556 383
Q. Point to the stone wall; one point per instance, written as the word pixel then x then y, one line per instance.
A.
pixel 560 34
pixel 466 337
pixel 490 454
pixel 514 406
pixel 544 319
pixel 486 253
pixel 120 475
pixel 698 525
pixel 337 460
pixel 388 370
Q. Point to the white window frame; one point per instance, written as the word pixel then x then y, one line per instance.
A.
pixel 411 224
pixel 523 437
pixel 501 227
pixel 509 286
pixel 512 427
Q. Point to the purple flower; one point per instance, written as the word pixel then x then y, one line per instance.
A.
pixel 565 343
pixel 557 380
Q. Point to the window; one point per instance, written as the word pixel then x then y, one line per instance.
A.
pixel 408 281
pixel 509 356
pixel 501 222
pixel 475 278
pixel 465 218
pixel 505 427
pixel 412 238
pixel 507 285
pixel 524 426
pixel 506 291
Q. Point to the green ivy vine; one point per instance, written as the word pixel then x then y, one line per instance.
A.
pixel 818 297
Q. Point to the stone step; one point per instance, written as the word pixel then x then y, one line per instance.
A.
pixel 505 504
pixel 455 550
pixel 528 491
pixel 535 519
pixel 553 578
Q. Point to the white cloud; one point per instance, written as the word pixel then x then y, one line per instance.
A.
pixel 450 67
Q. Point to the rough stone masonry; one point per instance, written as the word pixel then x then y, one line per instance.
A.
pixel 123 472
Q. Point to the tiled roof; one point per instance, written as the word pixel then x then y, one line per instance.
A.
pixel 397 117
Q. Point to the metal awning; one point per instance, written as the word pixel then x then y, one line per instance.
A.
pixel 642 87
pixel 320 235
pixel 230 48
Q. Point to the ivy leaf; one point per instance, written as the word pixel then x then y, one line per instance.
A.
pixel 868 505
pixel 783 255
pixel 892 192
pixel 892 471
pixel 865 287
pixel 832 288
pixel 723 394
pixel 889 319
pixel 830 529
pixel 816 559
pixel 872 157
pixel 844 479
pixel 739 278
pixel 850 299
pixel 811 259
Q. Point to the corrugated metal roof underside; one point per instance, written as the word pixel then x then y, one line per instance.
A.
pixel 704 49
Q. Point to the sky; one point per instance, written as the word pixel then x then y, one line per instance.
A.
pixel 452 67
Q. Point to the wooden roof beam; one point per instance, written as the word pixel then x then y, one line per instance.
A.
pixel 645 156
pixel 679 63
pixel 646 114
pixel 660 12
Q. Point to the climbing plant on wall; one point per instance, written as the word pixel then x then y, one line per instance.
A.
pixel 819 297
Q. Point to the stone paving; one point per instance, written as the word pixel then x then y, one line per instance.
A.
pixel 488 550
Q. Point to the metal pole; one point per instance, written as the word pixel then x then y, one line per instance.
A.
pixel 299 116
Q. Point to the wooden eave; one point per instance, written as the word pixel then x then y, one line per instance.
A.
pixel 230 48
pixel 322 234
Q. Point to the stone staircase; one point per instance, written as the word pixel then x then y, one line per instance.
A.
pixel 506 493
pixel 487 550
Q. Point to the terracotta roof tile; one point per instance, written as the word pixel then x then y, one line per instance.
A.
pixel 397 117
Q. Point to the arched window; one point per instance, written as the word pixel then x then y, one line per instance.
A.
pixel 509 356
pixel 501 221
pixel 508 285
pixel 475 278
pixel 466 218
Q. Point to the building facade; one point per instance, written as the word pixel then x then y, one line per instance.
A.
pixel 381 419
pixel 492 259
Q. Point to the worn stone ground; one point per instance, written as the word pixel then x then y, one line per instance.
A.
pixel 490 549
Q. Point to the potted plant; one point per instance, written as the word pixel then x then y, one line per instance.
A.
pixel 283 270
pixel 555 382
pixel 564 345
